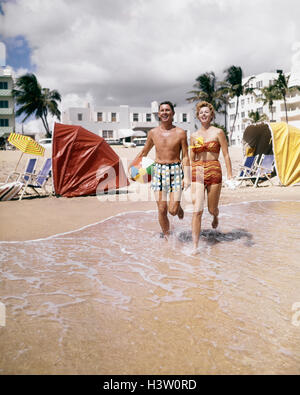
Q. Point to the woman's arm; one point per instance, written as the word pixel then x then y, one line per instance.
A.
pixel 192 153
pixel 224 146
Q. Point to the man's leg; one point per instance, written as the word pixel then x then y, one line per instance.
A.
pixel 174 204
pixel 162 206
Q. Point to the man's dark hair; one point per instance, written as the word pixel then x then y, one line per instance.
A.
pixel 169 103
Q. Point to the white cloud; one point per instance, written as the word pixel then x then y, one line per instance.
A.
pixel 135 51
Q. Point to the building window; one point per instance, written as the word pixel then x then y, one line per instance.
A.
pixel 243 114
pixel 135 117
pixel 3 103
pixel 4 122
pixel 260 110
pixel 148 117
pixel 232 116
pixel 184 117
pixel 114 117
pixel 3 85
pixel 242 102
pixel 259 84
pixel 99 117
pixel 108 134
pixel 231 105
pixel 79 117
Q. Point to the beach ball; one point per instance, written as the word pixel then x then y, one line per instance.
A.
pixel 141 169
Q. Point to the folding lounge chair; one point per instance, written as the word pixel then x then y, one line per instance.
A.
pixel 265 169
pixel 23 177
pixel 38 181
pixel 247 169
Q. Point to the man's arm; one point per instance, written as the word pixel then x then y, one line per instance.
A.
pixel 185 160
pixel 146 149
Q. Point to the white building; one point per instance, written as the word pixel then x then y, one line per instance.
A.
pixel 251 102
pixel 7 112
pixel 108 122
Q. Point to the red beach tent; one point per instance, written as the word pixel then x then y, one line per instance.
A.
pixel 83 163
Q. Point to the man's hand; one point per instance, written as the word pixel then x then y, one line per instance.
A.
pixel 186 184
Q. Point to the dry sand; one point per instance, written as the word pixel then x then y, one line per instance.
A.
pixel 34 218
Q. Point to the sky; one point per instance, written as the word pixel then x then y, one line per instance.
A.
pixel 113 52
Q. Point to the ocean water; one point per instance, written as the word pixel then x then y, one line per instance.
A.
pixel 115 298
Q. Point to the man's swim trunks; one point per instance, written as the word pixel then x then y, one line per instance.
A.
pixel 207 171
pixel 167 177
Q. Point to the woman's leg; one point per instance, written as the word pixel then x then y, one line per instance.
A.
pixel 213 196
pixel 198 203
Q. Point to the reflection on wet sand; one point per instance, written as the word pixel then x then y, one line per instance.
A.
pixel 114 298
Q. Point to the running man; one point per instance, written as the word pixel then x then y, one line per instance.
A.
pixel 169 171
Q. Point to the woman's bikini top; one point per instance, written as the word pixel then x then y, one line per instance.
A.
pixel 208 146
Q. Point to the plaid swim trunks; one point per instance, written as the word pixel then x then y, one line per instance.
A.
pixel 167 177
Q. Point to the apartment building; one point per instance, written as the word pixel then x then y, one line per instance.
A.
pixel 251 102
pixel 109 122
pixel 7 112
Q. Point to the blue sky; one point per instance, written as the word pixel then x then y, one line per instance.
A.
pixel 18 53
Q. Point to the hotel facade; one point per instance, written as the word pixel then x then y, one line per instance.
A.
pixel 109 122
pixel 253 102
pixel 7 111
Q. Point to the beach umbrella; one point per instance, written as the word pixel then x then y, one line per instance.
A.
pixel 25 144
pixel 281 140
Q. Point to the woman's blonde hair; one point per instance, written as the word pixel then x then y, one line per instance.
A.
pixel 202 104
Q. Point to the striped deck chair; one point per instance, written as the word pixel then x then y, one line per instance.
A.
pixel 247 169
pixel 23 176
pixel 38 181
pixel 265 169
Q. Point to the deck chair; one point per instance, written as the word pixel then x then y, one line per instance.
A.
pixel 247 169
pixel 265 169
pixel 38 181
pixel 23 176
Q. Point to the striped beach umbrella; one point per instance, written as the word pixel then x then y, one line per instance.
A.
pixel 25 144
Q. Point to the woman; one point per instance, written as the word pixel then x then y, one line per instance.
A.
pixel 206 170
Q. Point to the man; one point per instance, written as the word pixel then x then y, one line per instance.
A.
pixel 167 177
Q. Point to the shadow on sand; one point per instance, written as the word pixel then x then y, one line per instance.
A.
pixel 214 236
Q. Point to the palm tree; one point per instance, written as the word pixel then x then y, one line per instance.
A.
pixel 269 94
pixel 255 117
pixel 236 88
pixel 32 99
pixel 223 92
pixel 206 89
pixel 282 87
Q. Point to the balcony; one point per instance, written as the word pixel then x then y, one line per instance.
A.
pixel 6 111
pixel 5 92
pixel 6 130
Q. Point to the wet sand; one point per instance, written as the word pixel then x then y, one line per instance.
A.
pixel 40 217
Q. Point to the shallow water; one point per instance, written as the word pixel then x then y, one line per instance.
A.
pixel 115 298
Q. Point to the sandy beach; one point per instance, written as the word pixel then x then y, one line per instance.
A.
pixel 34 218
pixel 114 298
